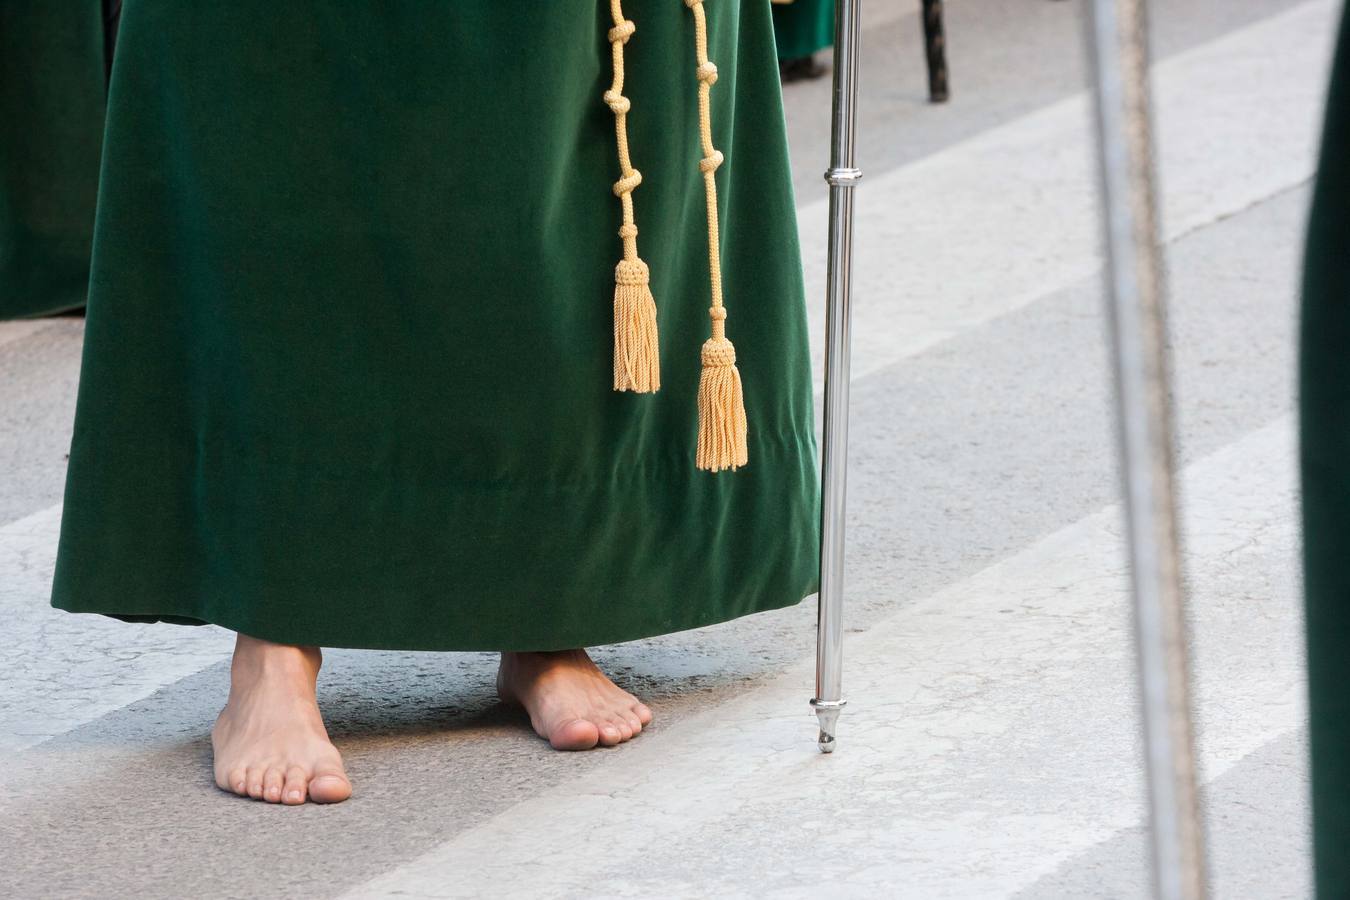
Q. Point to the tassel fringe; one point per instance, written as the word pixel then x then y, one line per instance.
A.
pixel 722 428
pixel 637 354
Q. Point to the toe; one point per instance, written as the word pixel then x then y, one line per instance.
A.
pixel 236 781
pixel 294 789
pixel 643 713
pixel 329 786
pixel 253 782
pixel 634 723
pixel 224 780
pixel 272 781
pixel 610 734
pixel 574 734
pixel 625 729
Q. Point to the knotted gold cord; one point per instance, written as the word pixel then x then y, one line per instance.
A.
pixel 637 364
pixel 721 406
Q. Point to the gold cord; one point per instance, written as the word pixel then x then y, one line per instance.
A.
pixel 637 364
pixel 721 406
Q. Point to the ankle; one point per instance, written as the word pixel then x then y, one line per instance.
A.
pixel 532 666
pixel 544 658
pixel 254 657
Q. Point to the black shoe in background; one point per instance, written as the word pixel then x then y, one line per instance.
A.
pixel 801 68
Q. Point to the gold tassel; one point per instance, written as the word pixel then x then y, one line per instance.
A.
pixel 637 353
pixel 722 430
pixel 721 407
pixel 637 364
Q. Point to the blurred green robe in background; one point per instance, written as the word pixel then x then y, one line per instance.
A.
pixel 1325 450
pixel 52 87
pixel 801 27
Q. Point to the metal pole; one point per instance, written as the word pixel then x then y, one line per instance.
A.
pixel 841 177
pixel 1136 312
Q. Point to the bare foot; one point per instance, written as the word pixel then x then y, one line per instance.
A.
pixel 269 741
pixel 569 700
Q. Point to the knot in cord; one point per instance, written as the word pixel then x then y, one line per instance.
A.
pixel 626 184
pixel 622 32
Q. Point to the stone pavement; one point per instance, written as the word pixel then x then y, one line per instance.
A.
pixel 989 748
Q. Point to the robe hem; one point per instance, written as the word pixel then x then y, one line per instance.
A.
pixel 319 637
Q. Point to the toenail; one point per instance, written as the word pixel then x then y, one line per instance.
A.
pixel 293 795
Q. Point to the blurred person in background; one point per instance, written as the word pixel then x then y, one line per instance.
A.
pixel 802 28
pixel 53 65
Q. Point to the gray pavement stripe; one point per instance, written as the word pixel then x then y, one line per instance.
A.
pixel 43 648
pixel 1262 802
pixel 1007 59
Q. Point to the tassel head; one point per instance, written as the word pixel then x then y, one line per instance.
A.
pixel 722 426
pixel 637 355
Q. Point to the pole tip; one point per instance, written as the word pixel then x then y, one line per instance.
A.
pixel 827 713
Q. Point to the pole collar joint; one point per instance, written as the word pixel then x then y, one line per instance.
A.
pixel 824 705
pixel 843 177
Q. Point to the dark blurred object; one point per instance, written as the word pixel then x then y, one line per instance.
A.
pixel 935 50
pixel 1324 426
pixel 53 83
pixel 112 13
pixel 802 68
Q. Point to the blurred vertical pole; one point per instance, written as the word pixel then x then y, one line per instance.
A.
pixel 935 50
pixel 841 177
pixel 1118 40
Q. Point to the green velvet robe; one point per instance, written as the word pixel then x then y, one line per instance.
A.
pixel 347 373
pixel 52 85
pixel 802 27
pixel 1325 449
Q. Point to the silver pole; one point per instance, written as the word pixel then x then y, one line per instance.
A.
pixel 841 177
pixel 1136 312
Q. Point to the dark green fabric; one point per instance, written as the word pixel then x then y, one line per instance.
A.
pixel 1325 436
pixel 347 374
pixel 802 27
pixel 51 125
